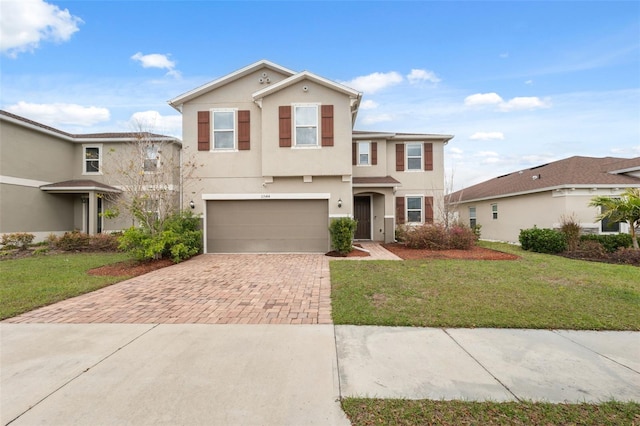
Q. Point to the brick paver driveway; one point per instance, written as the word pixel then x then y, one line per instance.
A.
pixel 210 289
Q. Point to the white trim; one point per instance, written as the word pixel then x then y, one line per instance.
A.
pixel 306 75
pixel 31 183
pixel 334 216
pixel 85 160
pixel 294 106
pixel 269 196
pixel 611 187
pixel 389 216
pixel 421 137
pixel 369 154
pixel 212 130
pixel 406 207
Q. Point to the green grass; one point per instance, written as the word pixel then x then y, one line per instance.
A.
pixel 29 283
pixel 537 291
pixel 369 412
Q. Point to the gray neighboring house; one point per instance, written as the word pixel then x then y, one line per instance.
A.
pixel 52 181
pixel 541 196
pixel 280 159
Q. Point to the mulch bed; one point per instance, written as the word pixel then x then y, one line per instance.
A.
pixel 476 253
pixel 352 253
pixel 130 268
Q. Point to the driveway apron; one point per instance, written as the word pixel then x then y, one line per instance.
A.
pixel 208 289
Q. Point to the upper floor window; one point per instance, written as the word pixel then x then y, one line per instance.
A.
pixel 224 129
pixel 414 156
pixel 414 209
pixel 92 160
pixel 494 211
pixel 151 158
pixel 364 153
pixel 472 217
pixel 306 125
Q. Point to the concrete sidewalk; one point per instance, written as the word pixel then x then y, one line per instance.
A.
pixel 236 374
pixel 488 364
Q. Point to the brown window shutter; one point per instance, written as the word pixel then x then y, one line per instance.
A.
pixel 354 154
pixel 204 131
pixel 428 209
pixel 327 125
pixel 399 157
pixel 428 156
pixel 285 126
pixel 374 153
pixel 244 130
pixel 399 210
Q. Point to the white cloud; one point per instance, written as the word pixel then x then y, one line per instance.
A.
pixel 154 122
pixel 416 76
pixel 376 118
pixel 504 55
pixel 373 82
pixel 487 136
pixel 57 114
pixel 520 103
pixel 368 104
pixel 528 82
pixel 157 60
pixel 487 154
pixel 514 104
pixel 483 99
pixel 26 23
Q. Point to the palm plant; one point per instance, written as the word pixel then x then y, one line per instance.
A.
pixel 625 208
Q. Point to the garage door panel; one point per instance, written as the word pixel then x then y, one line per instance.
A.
pixel 236 226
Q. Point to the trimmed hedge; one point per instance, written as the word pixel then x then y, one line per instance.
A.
pixel 610 242
pixel 543 240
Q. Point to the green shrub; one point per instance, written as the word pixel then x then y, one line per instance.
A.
pixel 79 241
pixel 180 239
pixel 610 242
pixel 438 237
pixel 19 240
pixel 542 240
pixel 342 232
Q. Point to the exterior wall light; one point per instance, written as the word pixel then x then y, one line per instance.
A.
pixel 192 204
pixel 339 202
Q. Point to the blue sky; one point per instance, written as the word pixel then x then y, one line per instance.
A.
pixel 518 83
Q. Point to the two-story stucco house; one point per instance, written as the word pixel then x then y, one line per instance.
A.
pixel 52 181
pixel 279 159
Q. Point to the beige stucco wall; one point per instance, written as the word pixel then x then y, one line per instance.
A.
pixel 544 210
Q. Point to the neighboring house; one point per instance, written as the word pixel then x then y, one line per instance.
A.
pixel 52 181
pixel 279 159
pixel 542 196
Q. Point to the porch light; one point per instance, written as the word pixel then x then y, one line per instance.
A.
pixel 339 202
pixel 192 204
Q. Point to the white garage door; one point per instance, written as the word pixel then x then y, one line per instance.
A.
pixel 259 226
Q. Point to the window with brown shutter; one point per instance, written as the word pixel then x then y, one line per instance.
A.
pixel 326 112
pixel 285 125
pixel 399 210
pixel 244 130
pixel 204 131
pixel 354 154
pixel 399 157
pixel 428 156
pixel 374 153
pixel 428 209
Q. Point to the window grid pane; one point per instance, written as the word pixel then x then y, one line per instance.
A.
pixel 414 209
pixel 363 153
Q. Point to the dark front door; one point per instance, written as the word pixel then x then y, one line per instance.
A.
pixel 362 213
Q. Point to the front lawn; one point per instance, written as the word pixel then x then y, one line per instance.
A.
pixel 28 283
pixel 370 412
pixel 535 291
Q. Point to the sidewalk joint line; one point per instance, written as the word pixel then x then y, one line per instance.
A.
pixel 481 365
pixel 80 374
pixel 595 352
pixel 335 341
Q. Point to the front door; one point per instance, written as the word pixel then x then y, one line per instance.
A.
pixel 362 213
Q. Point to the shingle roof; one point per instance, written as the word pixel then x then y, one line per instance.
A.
pixel 71 136
pixel 375 181
pixel 573 171
pixel 77 185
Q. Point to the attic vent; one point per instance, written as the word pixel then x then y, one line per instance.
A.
pixel 537 167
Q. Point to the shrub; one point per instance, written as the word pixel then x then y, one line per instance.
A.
pixel 626 255
pixel 438 237
pixel 591 249
pixel 180 239
pixel 342 232
pixel 610 242
pixel 571 230
pixel 542 240
pixel 19 240
pixel 401 233
pixel 79 241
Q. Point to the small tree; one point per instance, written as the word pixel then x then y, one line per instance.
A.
pixel 625 208
pixel 342 232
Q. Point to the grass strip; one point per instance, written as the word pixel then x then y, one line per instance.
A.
pixel 368 412
pixel 29 283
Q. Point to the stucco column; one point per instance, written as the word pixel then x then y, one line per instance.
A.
pixel 93 213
